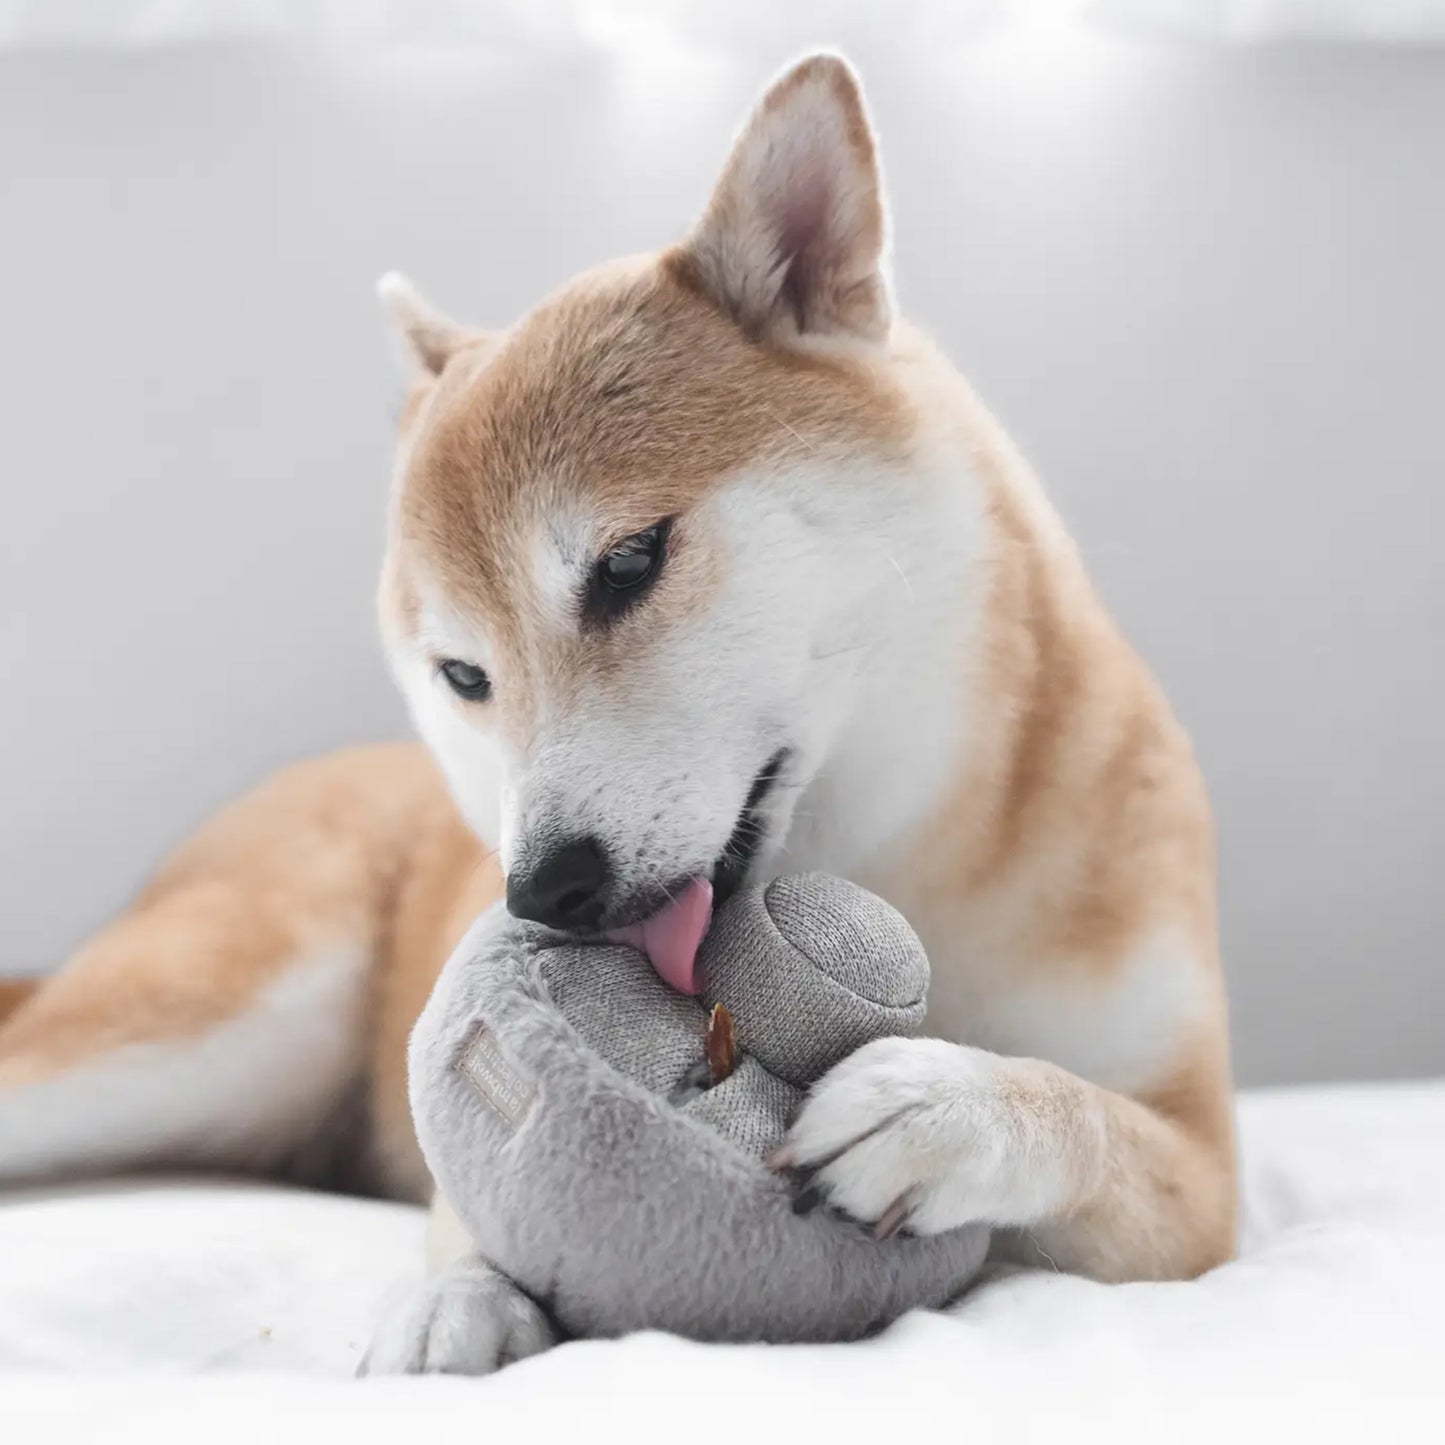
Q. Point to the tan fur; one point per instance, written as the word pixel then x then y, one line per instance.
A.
pixel 607 365
pixel 363 846
pixel 1153 1187
pixel 1075 825
pixel 450 878
pixel 14 992
pixel 1074 750
pixel 1079 823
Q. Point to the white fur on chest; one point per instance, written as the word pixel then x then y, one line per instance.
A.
pixel 904 653
pixel 1122 1030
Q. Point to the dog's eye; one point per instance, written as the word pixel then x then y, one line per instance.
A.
pixel 467 681
pixel 623 576
pixel 631 564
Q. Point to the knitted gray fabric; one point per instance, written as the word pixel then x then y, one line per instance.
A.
pixel 811 969
pixel 625 1014
pixel 542 1076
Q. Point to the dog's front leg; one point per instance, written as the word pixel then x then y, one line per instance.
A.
pixel 928 1135
pixel 470 1319
pixel 466 1318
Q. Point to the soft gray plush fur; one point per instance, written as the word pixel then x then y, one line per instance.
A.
pixel 550 1086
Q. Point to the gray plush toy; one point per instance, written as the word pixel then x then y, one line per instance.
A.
pixel 561 1100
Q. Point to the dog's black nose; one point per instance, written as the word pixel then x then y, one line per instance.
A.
pixel 566 887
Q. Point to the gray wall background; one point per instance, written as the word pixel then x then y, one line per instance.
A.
pixel 1202 286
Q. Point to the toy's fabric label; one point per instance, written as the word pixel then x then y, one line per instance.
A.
pixel 502 1089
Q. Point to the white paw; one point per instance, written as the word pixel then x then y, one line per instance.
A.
pixel 468 1320
pixel 921 1134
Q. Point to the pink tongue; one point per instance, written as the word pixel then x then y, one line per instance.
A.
pixel 670 938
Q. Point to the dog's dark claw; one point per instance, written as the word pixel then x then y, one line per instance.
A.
pixel 807 1199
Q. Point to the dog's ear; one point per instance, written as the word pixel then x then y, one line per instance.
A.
pixel 427 338
pixel 792 241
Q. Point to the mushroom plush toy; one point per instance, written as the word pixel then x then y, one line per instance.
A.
pixel 602 1127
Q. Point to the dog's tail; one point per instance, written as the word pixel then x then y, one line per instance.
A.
pixel 221 1020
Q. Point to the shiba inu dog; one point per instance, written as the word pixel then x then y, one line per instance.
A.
pixel 709 568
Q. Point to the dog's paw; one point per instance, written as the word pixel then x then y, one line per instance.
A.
pixel 468 1320
pixel 920 1134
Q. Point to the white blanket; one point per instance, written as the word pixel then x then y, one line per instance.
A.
pixel 185 1308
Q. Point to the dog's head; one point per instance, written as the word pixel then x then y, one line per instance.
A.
pixel 634 539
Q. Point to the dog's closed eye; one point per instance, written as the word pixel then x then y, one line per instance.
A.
pixel 466 680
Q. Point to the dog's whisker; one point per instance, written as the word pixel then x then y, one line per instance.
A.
pixel 840 651
pixel 789 427
pixel 903 576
